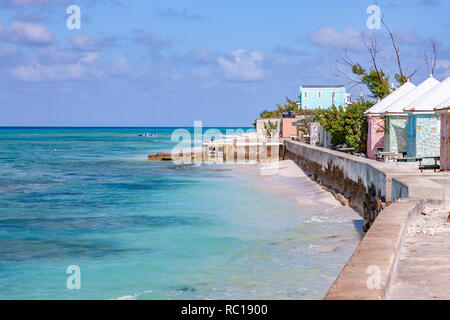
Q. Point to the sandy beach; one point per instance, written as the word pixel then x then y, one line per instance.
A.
pixel 288 180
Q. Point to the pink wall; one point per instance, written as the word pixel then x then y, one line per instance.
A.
pixel 288 130
pixel 375 138
pixel 445 141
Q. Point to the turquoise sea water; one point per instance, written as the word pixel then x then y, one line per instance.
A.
pixel 152 230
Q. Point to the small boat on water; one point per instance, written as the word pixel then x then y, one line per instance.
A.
pixel 146 135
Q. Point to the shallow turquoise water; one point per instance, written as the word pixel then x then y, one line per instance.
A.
pixel 150 230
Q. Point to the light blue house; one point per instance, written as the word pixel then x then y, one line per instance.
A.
pixel 323 97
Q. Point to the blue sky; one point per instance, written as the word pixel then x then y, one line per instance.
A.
pixel 168 63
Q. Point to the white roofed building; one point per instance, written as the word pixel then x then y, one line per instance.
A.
pixel 424 125
pixel 396 120
pixel 375 139
pixel 443 111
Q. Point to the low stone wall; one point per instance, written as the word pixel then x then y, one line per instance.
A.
pixel 358 179
pixel 368 185
pixel 369 272
pixel 390 192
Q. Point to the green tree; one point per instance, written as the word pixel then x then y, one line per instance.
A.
pixel 346 125
pixel 376 81
pixel 277 112
pixel 290 104
pixel 271 128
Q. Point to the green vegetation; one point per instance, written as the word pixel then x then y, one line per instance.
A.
pixel 289 105
pixel 346 125
pixel 306 123
pixel 276 113
pixel 271 128
pixel 376 81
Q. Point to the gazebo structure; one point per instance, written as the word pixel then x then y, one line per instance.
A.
pixel 424 126
pixel 375 139
pixel 443 111
pixel 396 120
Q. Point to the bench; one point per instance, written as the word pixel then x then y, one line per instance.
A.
pixel 386 156
pixel 429 167
pixel 422 167
pixel 406 159
pixel 434 166
pixel 346 150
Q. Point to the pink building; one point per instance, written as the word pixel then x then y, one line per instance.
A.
pixel 443 111
pixel 375 138
pixel 375 119
pixel 288 129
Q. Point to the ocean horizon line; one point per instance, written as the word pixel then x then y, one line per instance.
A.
pixel 113 127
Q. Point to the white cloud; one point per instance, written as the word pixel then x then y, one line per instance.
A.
pixel 87 42
pixel 173 13
pixel 28 74
pixel 150 39
pixel 27 33
pixel 56 55
pixel 90 57
pixel 120 67
pixel 38 72
pixel 26 3
pixel 202 55
pixel 7 51
pixel 328 37
pixel 241 65
pixel 289 50
pixel 443 68
pixel 430 3
pixel 408 37
pixel 443 63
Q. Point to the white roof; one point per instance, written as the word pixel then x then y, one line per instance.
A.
pixel 432 98
pixel 444 105
pixel 398 105
pixel 397 94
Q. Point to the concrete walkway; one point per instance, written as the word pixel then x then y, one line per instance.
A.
pixel 405 254
pixel 423 270
pixel 409 243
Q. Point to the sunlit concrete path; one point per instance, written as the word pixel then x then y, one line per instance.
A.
pixel 423 270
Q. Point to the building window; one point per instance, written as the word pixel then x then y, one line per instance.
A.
pixel 320 107
pixel 305 94
pixel 319 94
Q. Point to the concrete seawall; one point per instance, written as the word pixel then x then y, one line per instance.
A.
pixel 369 272
pixel 388 195
pixel 369 185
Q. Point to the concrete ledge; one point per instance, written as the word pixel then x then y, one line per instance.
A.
pixel 368 172
pixel 368 184
pixel 419 187
pixel 380 248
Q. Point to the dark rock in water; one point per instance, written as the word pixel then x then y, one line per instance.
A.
pixel 165 156
pixel 181 167
pixel 160 156
pixel 186 289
